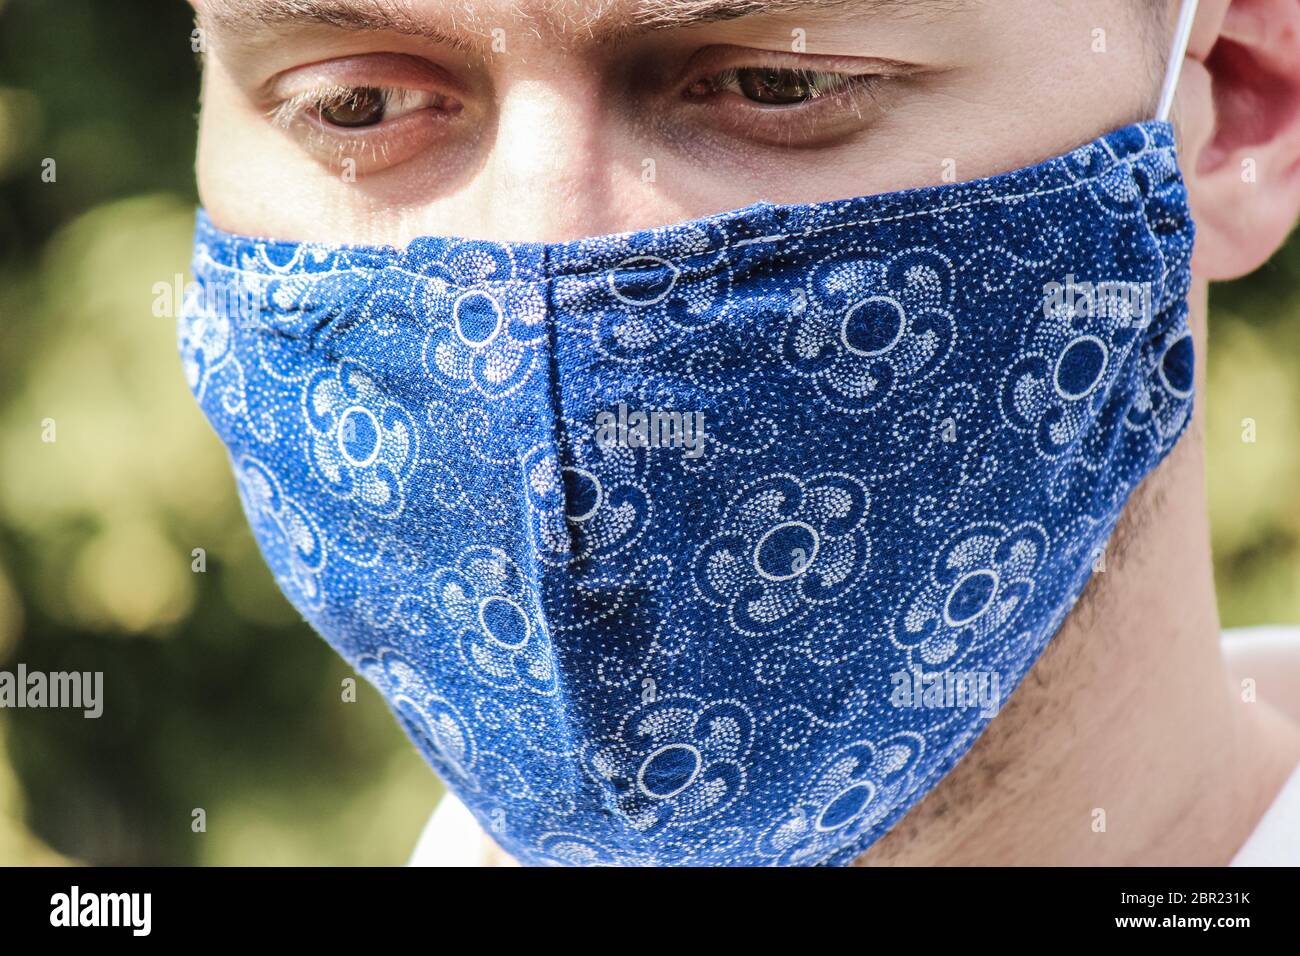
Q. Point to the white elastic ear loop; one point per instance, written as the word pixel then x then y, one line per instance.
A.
pixel 1182 39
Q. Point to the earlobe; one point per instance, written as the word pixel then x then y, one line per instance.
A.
pixel 1240 124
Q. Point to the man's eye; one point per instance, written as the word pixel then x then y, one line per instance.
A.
pixel 785 87
pixel 362 107
pixel 359 107
pixel 774 86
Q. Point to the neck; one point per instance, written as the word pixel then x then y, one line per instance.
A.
pixel 1127 743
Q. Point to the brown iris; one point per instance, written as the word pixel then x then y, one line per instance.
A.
pixel 364 107
pixel 777 87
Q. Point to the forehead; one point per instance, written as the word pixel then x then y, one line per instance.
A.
pixel 593 19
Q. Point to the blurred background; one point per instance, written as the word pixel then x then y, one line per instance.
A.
pixel 221 697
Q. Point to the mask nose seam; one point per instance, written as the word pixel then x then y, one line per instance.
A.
pixel 549 575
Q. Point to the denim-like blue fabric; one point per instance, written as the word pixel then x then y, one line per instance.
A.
pixel 627 655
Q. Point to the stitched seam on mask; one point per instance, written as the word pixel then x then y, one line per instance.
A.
pixel 924 212
pixel 760 240
pixel 544 575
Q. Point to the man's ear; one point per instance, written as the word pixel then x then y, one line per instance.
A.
pixel 1239 123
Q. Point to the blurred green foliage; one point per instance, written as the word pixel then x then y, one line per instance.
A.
pixel 1253 442
pixel 219 696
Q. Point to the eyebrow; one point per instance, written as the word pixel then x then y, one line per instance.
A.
pixel 247 17
pixel 462 28
pixel 654 14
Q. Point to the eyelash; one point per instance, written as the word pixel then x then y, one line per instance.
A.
pixel 825 85
pixel 842 104
pixel 837 83
pixel 331 97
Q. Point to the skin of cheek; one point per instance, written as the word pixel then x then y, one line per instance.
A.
pixel 980 118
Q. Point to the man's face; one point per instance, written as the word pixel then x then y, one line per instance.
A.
pixel 376 121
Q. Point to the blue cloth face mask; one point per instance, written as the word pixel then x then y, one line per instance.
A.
pixel 718 543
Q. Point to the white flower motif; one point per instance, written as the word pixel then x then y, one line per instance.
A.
pixel 595 506
pixel 674 761
pixel 205 336
pixel 869 327
pixel 286 532
pixel 1110 182
pixel 784 546
pixel 490 324
pixel 559 848
pixel 432 721
pixel 362 443
pixel 496 617
pixel 644 303
pixel 853 790
pixel 979 582
pixel 1163 407
pixel 1063 377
